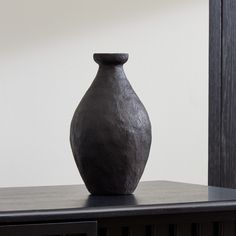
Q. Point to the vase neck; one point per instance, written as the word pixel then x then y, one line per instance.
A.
pixel 111 71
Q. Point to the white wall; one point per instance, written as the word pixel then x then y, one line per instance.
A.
pixel 46 66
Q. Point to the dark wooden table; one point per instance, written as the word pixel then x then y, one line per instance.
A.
pixel 156 208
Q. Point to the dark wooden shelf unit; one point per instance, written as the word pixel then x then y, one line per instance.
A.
pixel 156 208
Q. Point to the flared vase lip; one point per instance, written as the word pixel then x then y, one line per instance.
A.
pixel 110 58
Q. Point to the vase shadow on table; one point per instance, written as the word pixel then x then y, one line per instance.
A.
pixel 110 200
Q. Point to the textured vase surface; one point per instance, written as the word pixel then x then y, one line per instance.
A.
pixel 110 131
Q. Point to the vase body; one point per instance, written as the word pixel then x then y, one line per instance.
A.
pixel 110 131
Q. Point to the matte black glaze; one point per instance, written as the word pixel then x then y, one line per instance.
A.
pixel 110 131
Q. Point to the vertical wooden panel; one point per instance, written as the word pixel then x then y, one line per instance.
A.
pixel 215 77
pixel 114 231
pixel 172 230
pixel 150 229
pixel 227 229
pixel 102 231
pixel 228 152
pixel 206 229
pixel 162 230
pixel 184 230
pixel 138 230
pixel 70 235
pixel 195 230
pixel 217 228
pixel 222 93
pixel 126 231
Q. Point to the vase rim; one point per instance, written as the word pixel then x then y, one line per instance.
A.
pixel 111 53
pixel 110 58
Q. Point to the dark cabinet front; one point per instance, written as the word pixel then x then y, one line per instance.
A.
pixel 158 208
pixel 85 228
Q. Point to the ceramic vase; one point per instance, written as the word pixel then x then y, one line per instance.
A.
pixel 110 131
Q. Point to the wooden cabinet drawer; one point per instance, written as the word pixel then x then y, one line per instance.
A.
pixel 83 228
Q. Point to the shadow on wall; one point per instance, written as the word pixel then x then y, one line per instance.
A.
pixel 26 23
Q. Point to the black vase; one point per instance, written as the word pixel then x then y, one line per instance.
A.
pixel 110 131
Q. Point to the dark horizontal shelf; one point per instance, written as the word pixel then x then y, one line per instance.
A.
pixel 73 202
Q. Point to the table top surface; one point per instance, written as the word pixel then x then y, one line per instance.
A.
pixel 158 197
